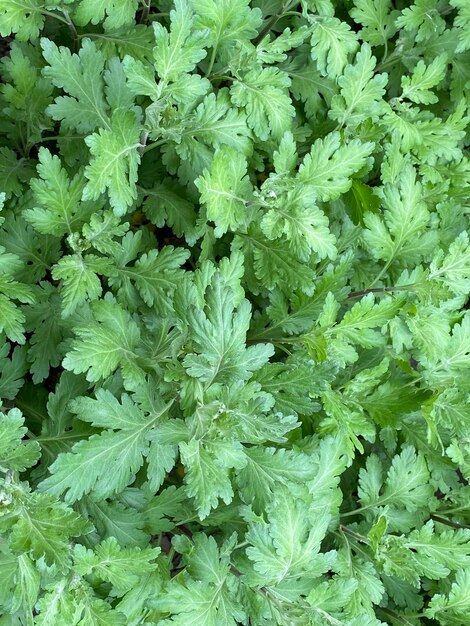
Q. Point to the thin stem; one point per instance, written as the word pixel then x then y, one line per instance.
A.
pixel 448 522
pixel 212 60
pixel 55 137
pixel 394 56
pixel 154 16
pixel 152 146
pixel 72 28
pixel 353 534
pixel 457 509
pixel 55 16
pixel 188 520
pixel 396 617
pixel 145 11
pixel 143 140
pixel 273 21
pixel 385 54
pixel 364 292
pixel 381 273
pixel 273 340
pixel 355 512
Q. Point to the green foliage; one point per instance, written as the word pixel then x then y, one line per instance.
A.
pixel 234 326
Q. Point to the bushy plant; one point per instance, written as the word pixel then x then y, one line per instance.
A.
pixel 235 350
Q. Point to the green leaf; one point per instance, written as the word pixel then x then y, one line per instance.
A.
pixel 263 94
pixel 217 123
pixel 417 87
pixel 111 458
pixel 453 607
pixel 22 76
pixel 401 234
pixel 293 385
pixel 11 317
pixel 177 51
pixel 28 582
pixel 287 545
pixel 65 599
pixel 270 264
pixel 308 85
pixel 156 275
pixel 136 41
pixel 22 18
pixel 12 369
pixel 406 488
pixel 332 42
pixel 166 203
pixel 207 475
pixel 117 13
pixel 60 211
pixel 44 321
pixel 361 91
pixel 80 76
pixel 40 525
pixel 207 596
pixel 325 172
pixel 115 162
pixel 462 22
pixel 219 334
pixel 305 228
pixel 226 21
pixel 106 343
pixel 268 468
pixel 376 19
pixel 13 172
pixel 452 356
pixel 16 454
pixel 358 323
pixel 453 269
pixel 109 562
pixel 422 19
pixel 113 519
pixel 80 282
pixel 101 231
pixel 226 191
pixel 234 336
pixel 36 252
pixel 272 51
pixel 425 553
pixel 360 199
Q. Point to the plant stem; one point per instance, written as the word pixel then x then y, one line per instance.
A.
pixel 72 29
pixel 396 617
pixel 381 273
pixel 152 146
pixel 448 522
pixel 212 60
pixel 364 292
pixel 385 55
pixel 272 22
pixel 145 11
pixel 56 137
pixel 143 140
pixel 387 61
pixel 155 16
pixel 55 16
pixel 353 534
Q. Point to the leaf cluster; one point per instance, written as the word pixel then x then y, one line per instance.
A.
pixel 234 324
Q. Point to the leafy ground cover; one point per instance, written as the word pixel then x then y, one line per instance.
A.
pixel 235 348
